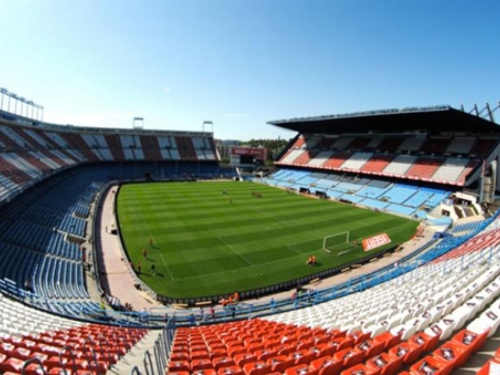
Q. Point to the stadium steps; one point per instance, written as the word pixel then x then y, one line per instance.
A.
pixel 135 356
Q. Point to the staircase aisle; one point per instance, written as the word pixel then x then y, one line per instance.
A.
pixel 135 357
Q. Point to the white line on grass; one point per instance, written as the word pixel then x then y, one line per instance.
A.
pixel 292 247
pixel 277 222
pixel 234 251
pixel 157 250
pixel 166 265
pixel 236 269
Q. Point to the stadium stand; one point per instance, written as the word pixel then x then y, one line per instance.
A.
pixel 427 315
pixel 58 343
pixel 397 198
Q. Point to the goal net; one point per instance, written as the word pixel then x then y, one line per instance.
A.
pixel 333 241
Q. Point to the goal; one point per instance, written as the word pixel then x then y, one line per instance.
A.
pixel 334 240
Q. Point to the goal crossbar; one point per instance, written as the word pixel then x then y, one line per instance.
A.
pixel 326 238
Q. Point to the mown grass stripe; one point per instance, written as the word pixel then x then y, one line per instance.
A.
pixel 205 245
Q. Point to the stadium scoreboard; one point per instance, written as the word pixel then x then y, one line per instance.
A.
pixel 248 156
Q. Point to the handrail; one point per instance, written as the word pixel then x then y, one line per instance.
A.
pixel 147 355
pixel 135 371
pixel 92 351
pixel 108 347
pixel 160 353
pixel 36 360
pixel 68 348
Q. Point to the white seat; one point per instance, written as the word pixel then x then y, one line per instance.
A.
pixel 490 319
pixel 403 331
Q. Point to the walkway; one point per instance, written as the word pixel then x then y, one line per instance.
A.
pixel 116 276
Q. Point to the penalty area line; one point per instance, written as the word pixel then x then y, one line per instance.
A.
pixel 166 265
pixel 234 251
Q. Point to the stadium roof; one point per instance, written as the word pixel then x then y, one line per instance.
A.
pixel 432 119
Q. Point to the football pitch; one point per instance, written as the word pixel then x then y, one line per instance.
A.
pixel 206 242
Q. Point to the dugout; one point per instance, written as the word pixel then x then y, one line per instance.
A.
pixel 321 194
pixel 304 190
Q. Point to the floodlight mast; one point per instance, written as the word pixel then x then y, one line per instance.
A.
pixel 208 123
pixel 138 123
pixel 22 112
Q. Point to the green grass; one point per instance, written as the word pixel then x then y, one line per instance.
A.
pixel 204 245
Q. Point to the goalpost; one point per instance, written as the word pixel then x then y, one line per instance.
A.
pixel 329 242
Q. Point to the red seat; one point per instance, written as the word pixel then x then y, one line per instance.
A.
pixel 264 355
pixel 431 365
pixel 179 356
pixel 297 355
pixel 287 350
pixel 199 355
pixel 21 353
pixel 253 347
pixel 349 357
pixel 327 365
pixel 280 363
pixel 206 371
pixel 427 342
pixel 386 363
pixel 236 349
pixel 217 353
pixel 408 352
pixel 453 353
pixel 468 338
pixel 359 336
pixel 306 359
pixel 243 358
pixel 306 344
pixel 342 342
pixel 221 362
pixel 48 349
pixel 7 348
pixel 388 339
pixel 12 364
pixel 34 369
pixel 178 373
pixel 361 369
pixel 182 365
pixel 326 349
pixel 301 369
pixel 370 348
pixel 256 368
pixel 230 370
pixel 200 364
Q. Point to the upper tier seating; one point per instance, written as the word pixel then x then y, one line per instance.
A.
pixel 435 145
pixel 28 155
pixel 412 144
pixel 400 165
pixel 377 163
pixel 357 160
pixel 424 168
pixel 337 160
pixel 412 157
pixel 483 146
pixel 320 158
pixel 461 145
pixel 451 170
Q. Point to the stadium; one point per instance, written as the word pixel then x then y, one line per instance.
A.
pixel 370 248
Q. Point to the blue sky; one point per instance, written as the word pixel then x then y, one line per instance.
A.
pixel 243 63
